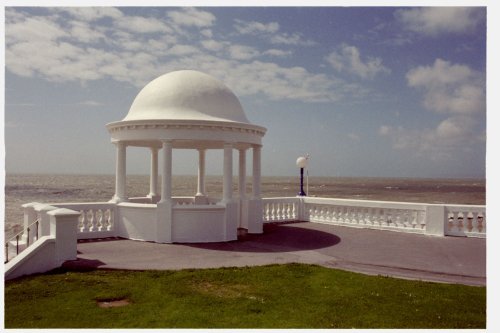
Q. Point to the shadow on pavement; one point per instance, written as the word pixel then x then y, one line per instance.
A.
pixel 82 265
pixel 276 238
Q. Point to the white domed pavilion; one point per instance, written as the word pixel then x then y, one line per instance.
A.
pixel 188 110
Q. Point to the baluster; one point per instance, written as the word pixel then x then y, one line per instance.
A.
pixel 398 218
pixel 355 218
pixel 345 211
pixel 460 221
pixel 329 213
pixel 312 211
pixel 284 211
pixel 90 220
pixel 82 221
pixel 474 224
pixel 414 219
pixel 321 213
pixel 380 217
pixel 334 214
pixel 111 221
pixel 28 237
pixel 273 211
pixel 421 216
pixel 482 222
pixel 37 235
pixel 105 220
pixel 408 219
pixel 294 211
pixel 100 217
pixel 468 221
pixel 366 216
pixel 289 211
pixel 17 244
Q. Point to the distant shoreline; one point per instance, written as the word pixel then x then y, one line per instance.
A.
pixel 248 175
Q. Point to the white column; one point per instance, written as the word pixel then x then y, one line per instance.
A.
pixel 166 176
pixel 227 190
pixel 121 172
pixel 201 173
pixel 153 177
pixel 256 172
pixel 242 173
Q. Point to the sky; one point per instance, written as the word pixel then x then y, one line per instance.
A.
pixel 365 91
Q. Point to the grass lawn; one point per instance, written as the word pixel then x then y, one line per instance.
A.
pixel 276 296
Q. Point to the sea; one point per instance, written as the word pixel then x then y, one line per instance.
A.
pixel 48 188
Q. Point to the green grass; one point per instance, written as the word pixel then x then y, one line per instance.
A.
pixel 277 296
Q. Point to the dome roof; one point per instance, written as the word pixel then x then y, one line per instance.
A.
pixel 186 95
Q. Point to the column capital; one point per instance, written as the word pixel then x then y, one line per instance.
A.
pixel 119 143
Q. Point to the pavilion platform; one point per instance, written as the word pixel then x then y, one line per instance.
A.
pixel 376 252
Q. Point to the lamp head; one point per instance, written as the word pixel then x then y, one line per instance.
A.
pixel 301 162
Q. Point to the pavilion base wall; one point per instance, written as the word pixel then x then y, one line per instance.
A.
pixel 255 224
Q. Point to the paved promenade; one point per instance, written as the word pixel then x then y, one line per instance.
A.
pixel 448 259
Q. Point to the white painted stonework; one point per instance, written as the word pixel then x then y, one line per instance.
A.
pixel 186 110
pixel 191 110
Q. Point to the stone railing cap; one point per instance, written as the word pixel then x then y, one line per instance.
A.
pixel 43 206
pixel 63 212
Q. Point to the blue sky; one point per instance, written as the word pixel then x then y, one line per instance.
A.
pixel 366 91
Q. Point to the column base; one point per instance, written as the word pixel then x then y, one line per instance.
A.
pixel 200 199
pixel 116 199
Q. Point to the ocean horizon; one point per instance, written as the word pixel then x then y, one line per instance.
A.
pixel 21 188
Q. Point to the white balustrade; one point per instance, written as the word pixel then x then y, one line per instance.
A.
pixel 370 214
pixel 280 209
pixel 465 220
pixel 96 220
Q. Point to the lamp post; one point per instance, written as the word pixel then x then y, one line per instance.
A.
pixel 302 163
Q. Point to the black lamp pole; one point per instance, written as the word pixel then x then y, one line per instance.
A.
pixel 302 193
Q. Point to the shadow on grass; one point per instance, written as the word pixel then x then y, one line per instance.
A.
pixel 276 238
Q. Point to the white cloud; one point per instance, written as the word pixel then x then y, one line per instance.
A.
pixel 438 20
pixel 213 45
pixel 277 53
pixel 55 48
pixel 270 32
pixel 349 59
pixel 454 90
pixel 85 33
pixel 254 28
pixel 88 14
pixel 27 29
pixel 449 139
pixel 192 17
pixel 449 88
pixel 291 39
pixel 180 49
pixel 242 52
pixel 142 25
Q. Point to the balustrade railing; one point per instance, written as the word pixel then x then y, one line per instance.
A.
pixel 280 209
pixel 465 220
pixel 95 220
pixel 366 214
pixel 184 201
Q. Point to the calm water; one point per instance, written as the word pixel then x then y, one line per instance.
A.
pixel 20 189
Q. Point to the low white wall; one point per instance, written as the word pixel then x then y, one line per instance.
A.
pixel 429 219
pixel 50 251
pixel 136 221
pixel 38 258
pixel 195 224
